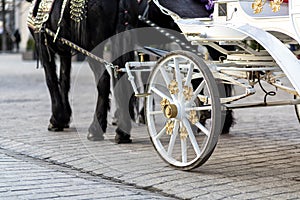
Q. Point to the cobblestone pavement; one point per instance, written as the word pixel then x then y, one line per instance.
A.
pixel 260 159
pixel 23 178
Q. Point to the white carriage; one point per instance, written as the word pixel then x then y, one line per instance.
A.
pixel 184 121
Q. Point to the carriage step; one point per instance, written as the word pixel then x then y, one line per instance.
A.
pixel 140 95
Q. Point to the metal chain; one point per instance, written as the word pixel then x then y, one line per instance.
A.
pixel 171 36
pixel 108 65
pixel 78 48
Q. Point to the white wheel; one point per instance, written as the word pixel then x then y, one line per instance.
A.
pixel 183 114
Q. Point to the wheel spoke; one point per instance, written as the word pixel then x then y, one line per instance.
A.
pixel 177 73
pixel 178 78
pixel 160 93
pixel 184 151
pixel 173 138
pixel 161 133
pixel 189 75
pixel 198 90
pixel 199 108
pixel 167 80
pixel 203 129
pixel 192 137
pixel 165 76
pixel 156 112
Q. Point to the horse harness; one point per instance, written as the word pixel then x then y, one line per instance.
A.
pixel 40 10
pixel 39 14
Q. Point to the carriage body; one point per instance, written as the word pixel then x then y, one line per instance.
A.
pixel 272 59
pixel 235 21
pixel 285 22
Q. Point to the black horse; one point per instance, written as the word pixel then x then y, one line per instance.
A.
pixel 100 20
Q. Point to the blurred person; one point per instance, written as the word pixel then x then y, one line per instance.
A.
pixel 17 39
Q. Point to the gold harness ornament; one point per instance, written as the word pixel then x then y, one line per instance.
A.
pixel 78 11
pixel 44 9
pixel 36 21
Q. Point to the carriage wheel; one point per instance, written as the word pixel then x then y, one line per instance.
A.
pixel 183 119
pixel 297 109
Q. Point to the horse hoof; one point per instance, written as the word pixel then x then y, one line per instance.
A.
pixel 95 137
pixel 114 122
pixel 122 137
pixel 229 122
pixel 225 133
pixel 53 128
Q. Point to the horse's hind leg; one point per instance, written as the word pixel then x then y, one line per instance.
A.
pixel 64 83
pixel 99 124
pixel 123 93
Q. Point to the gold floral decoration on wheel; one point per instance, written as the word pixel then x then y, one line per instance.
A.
pixel 183 133
pixel 173 87
pixel 169 127
pixel 193 117
pixel 188 92
pixel 164 102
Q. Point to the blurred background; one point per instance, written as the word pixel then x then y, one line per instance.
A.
pixel 13 15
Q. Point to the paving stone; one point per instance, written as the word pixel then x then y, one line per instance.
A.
pixel 251 195
pixel 47 184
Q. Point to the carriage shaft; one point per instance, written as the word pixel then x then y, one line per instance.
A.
pixel 262 104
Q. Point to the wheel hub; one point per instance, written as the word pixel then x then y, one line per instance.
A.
pixel 169 110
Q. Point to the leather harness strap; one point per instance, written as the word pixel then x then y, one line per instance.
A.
pixel 143 8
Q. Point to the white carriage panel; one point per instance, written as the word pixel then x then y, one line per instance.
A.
pixel 267 12
pixel 295 16
pixel 240 12
pixel 194 29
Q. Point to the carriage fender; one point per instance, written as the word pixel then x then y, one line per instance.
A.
pixel 286 60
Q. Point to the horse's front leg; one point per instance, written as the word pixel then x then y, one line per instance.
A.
pixel 64 83
pixel 57 120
